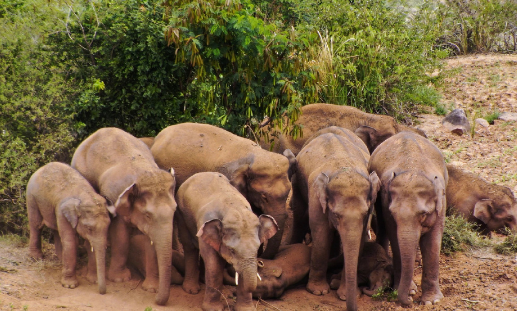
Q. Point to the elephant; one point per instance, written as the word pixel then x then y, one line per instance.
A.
pixel 138 252
pixel 375 269
pixel 261 176
pixel 215 220
pixel 493 207
pixel 373 129
pixel 60 198
pixel 121 167
pixel 149 141
pixel 411 209
pixel 332 186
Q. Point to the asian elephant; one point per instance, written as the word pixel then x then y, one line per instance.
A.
pixel 149 141
pixel 493 207
pixel 121 167
pixel 261 176
pixel 332 186
pixel 60 198
pixel 375 269
pixel 216 221
pixel 373 129
pixel 411 209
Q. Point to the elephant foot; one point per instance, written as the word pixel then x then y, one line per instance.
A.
pixel 412 288
pixel 429 298
pixel 91 277
pixel 318 288
pixel 36 254
pixel 335 281
pixel 119 276
pixel 150 285
pixel 245 307
pixel 69 282
pixel 212 306
pixel 341 292
pixel 191 287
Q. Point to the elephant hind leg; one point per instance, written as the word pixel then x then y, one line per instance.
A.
pixel 35 226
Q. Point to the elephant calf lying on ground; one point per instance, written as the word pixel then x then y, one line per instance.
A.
pixel 374 270
pixel 493 207
pixel 373 129
pixel 59 197
pixel 216 221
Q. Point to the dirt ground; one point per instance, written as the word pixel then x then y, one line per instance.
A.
pixel 477 280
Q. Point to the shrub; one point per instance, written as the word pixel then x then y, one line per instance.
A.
pixel 509 245
pixel 492 117
pixel 459 234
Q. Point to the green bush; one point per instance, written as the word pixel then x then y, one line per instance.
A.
pixel 509 245
pixel 492 117
pixel 459 235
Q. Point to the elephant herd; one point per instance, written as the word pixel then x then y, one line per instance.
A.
pixel 225 196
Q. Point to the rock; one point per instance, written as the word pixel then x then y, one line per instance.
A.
pixel 482 122
pixel 457 122
pixel 508 116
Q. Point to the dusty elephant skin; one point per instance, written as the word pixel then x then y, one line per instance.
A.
pixel 216 221
pixel 122 168
pixel 261 176
pixel 373 129
pixel 411 209
pixel 375 269
pixel 493 207
pixel 60 198
pixel 149 141
pixel 332 187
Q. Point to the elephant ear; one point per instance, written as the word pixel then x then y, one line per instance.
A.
pixel 482 210
pixel 69 209
pixel 367 134
pixel 375 186
pixel 268 227
pixel 211 233
pixel 238 172
pixel 439 188
pixel 123 203
pixel 292 162
pixel 320 186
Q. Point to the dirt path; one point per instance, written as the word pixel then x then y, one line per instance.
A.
pixel 478 280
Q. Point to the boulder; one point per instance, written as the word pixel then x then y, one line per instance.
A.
pixel 508 116
pixel 456 122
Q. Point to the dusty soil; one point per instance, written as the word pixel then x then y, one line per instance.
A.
pixel 478 280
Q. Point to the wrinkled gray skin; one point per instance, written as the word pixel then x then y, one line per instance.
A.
pixel 60 198
pixel 493 207
pixel 411 209
pixel 261 176
pixel 121 167
pixel 375 269
pixel 373 129
pixel 333 188
pixel 216 221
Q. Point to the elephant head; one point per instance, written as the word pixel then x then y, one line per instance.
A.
pixel 264 180
pixel 349 196
pixel 498 212
pixel 238 243
pixel 148 203
pixel 273 282
pixel 380 277
pixel 374 136
pixel 416 204
pixel 89 217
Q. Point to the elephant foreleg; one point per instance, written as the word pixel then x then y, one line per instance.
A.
pixel 430 245
pixel 191 281
pixel 91 274
pixel 119 240
pixel 69 255
pixel 322 239
pixel 214 266
pixel 151 281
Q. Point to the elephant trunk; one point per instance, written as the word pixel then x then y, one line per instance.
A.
pixel 351 248
pixel 408 242
pixel 100 259
pixel 163 247
pixel 249 274
pixel 274 243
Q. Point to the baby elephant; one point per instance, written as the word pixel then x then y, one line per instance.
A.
pixel 60 198
pixel 215 212
pixel 375 269
pixel 492 206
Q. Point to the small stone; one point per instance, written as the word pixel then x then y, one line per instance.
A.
pixel 482 122
pixel 456 122
pixel 508 116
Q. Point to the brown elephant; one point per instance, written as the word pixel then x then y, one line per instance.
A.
pixel 261 176
pixel 212 210
pixel 374 271
pixel 60 198
pixel 333 186
pixel 411 209
pixel 493 207
pixel 121 167
pixel 373 129
pixel 138 257
pixel 149 141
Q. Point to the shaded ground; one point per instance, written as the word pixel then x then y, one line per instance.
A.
pixel 478 280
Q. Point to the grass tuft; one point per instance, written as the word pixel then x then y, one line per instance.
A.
pixel 492 117
pixel 460 235
pixel 509 245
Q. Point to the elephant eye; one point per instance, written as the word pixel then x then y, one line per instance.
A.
pixel 509 219
pixel 232 251
pixel 264 197
pixel 148 215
